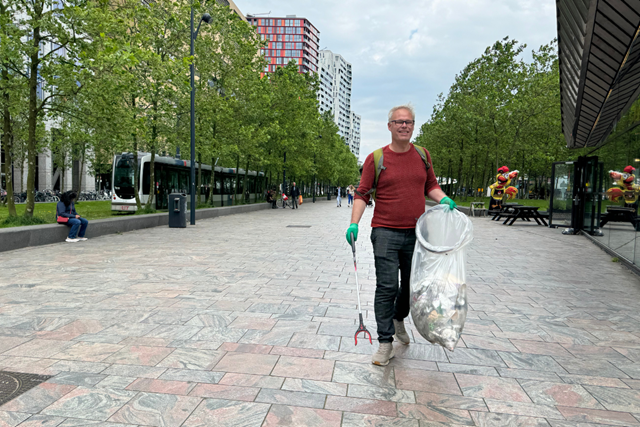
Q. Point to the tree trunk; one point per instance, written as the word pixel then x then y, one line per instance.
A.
pixel 62 176
pixel 199 185
pixel 81 166
pixel 244 185
pixel 212 185
pixel 152 162
pixel 136 172
pixel 235 191
pixel 33 113
pixel 21 173
pixel 7 138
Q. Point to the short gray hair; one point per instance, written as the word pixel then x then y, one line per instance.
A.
pixel 407 107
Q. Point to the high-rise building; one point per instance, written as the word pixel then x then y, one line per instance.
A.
pixel 354 134
pixel 335 68
pixel 289 38
pixel 325 89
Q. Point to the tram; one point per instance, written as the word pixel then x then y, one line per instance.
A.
pixel 173 176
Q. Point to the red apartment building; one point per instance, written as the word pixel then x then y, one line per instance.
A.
pixel 289 38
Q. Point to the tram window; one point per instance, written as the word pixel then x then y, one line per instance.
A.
pixel 217 184
pixel 145 178
pixel 206 178
pixel 184 181
pixel 173 179
pixel 228 184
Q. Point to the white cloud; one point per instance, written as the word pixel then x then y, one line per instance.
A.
pixel 411 50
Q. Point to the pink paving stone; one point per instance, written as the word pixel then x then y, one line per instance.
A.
pixel 253 323
pixel 282 415
pixel 229 392
pixel 298 352
pixel 246 348
pixel 588 380
pixel 634 384
pixel 7 343
pixel 161 386
pixel 38 398
pixel 302 367
pixel 446 416
pixel 248 380
pixel 598 416
pixel 492 388
pixel 227 413
pixel 363 406
pixel 247 363
pixel 450 401
pixel 89 351
pixel 139 355
pixel 161 410
pixel 147 341
pixel 592 351
pixel 72 330
pixel 431 381
pixel 560 394
pixel 28 365
pixel 12 419
pixel 546 348
pixel 38 348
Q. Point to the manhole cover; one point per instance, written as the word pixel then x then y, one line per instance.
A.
pixel 298 226
pixel 13 384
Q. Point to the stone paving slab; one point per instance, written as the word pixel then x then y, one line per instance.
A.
pixel 242 321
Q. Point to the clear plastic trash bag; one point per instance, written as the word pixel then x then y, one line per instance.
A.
pixel 438 275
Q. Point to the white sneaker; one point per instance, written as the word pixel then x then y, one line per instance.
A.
pixel 401 333
pixel 72 240
pixel 384 354
pixel 82 239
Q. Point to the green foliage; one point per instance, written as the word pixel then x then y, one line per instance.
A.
pixel 119 82
pixel 499 111
pixel 19 221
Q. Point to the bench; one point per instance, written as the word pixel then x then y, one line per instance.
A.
pixel 478 207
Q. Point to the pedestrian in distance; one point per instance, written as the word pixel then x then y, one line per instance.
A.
pixel 398 176
pixel 271 198
pixel 66 208
pixel 350 190
pixel 294 193
pixel 338 197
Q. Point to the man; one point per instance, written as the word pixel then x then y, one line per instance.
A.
pixel 294 193
pixel 338 197
pixel 402 184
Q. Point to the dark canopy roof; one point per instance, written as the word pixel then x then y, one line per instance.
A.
pixel 599 51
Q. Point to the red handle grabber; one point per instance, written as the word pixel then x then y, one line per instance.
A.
pixel 361 328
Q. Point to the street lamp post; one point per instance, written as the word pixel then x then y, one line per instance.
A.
pixel 206 18
pixel 284 173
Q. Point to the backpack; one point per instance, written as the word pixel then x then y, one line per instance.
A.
pixel 378 161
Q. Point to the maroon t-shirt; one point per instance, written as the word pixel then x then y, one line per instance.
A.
pixel 401 188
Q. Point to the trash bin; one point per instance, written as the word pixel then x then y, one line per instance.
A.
pixel 177 210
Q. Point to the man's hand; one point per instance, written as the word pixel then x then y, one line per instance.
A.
pixel 447 201
pixel 353 228
pixel 78 216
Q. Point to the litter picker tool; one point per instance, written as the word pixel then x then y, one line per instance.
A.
pixel 361 328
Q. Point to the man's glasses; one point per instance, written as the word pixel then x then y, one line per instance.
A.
pixel 403 122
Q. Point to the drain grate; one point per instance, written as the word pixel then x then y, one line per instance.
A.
pixel 298 226
pixel 13 384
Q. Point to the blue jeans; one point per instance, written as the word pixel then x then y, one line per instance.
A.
pixel 392 250
pixel 76 224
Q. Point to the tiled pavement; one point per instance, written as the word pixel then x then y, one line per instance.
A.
pixel 242 321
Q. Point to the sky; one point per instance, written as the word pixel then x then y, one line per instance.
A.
pixel 410 51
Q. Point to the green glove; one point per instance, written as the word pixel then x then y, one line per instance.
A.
pixel 447 201
pixel 353 228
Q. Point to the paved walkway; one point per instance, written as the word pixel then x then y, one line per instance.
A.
pixel 242 321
